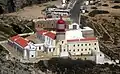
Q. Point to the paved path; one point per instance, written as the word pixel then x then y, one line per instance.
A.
pixel 75 11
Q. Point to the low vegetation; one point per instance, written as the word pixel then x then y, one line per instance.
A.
pixel 12 25
pixel 95 12
pixel 116 1
pixel 116 7
pixel 105 5
pixel 93 7
pixel 68 66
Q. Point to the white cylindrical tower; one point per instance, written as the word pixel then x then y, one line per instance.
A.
pixel 60 29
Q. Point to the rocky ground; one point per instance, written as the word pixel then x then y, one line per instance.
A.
pixel 53 66
pixel 106 27
pixel 12 25
pixel 13 66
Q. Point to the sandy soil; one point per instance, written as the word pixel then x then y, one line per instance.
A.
pixel 33 11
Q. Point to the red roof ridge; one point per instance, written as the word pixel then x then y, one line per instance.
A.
pixel 14 38
pixel 72 40
pixel 88 38
pixel 41 32
pixel 22 42
pixel 50 34
pixel 83 39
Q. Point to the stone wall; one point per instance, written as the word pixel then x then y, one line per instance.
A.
pixel 49 24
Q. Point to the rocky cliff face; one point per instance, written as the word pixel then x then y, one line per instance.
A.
pixel 14 5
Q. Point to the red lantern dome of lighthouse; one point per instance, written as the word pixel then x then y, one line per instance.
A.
pixel 60 27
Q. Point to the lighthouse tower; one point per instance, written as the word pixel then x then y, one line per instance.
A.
pixel 60 29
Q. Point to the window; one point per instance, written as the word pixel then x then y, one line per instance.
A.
pixel 32 55
pixel 81 54
pixel 95 44
pixel 74 45
pixel 62 42
pixel 60 48
pixel 39 48
pixel 78 45
pixel 61 26
pixel 53 49
pixel 74 50
pixel 78 49
pixel 67 45
pixel 89 48
pixel 89 44
pixel 81 49
pixel 38 25
pixel 50 49
pixel 88 53
pixel 95 48
pixel 74 26
pixel 81 44
pixel 85 44
pixel 85 49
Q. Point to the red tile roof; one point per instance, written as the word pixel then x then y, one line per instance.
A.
pixel 41 32
pixel 22 42
pixel 14 37
pixel 72 40
pixel 85 39
pixel 88 39
pixel 51 35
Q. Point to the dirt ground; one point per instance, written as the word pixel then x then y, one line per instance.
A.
pixel 34 11
pixel 106 26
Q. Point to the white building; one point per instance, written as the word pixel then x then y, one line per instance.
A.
pixel 74 42
pixel 26 49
